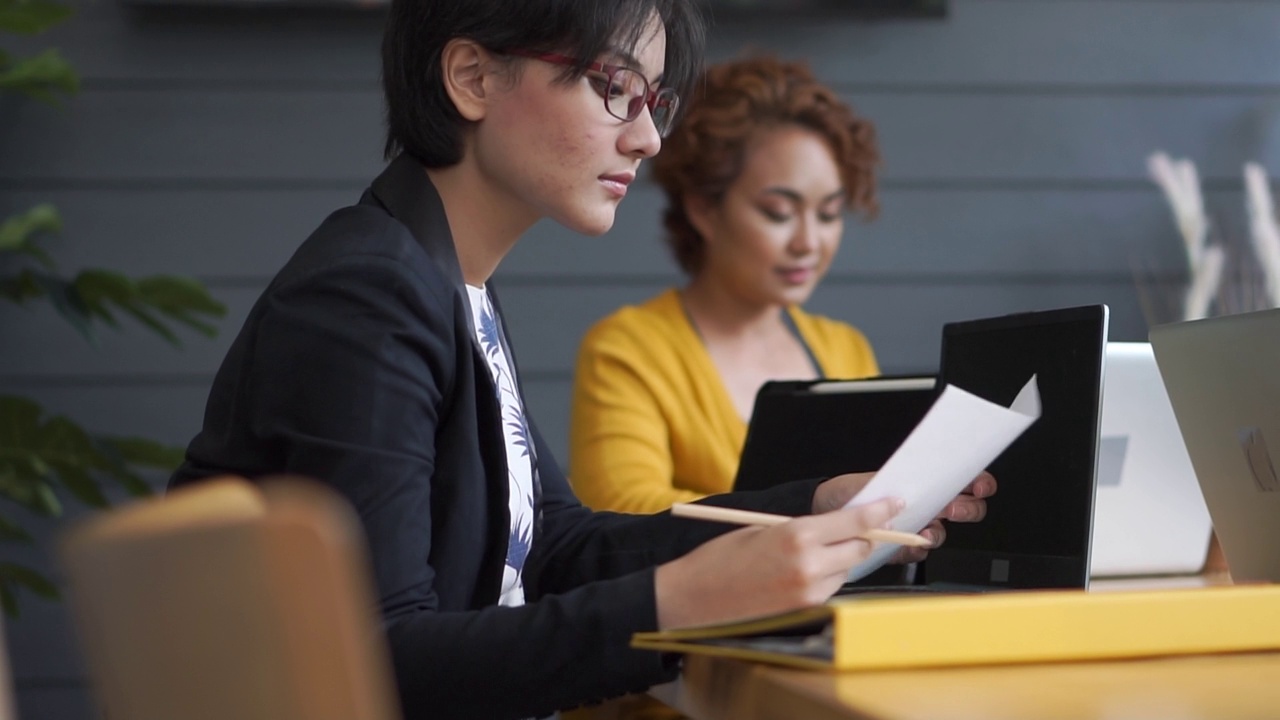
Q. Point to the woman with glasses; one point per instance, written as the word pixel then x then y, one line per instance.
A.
pixel 377 362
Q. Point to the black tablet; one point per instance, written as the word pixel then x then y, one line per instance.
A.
pixel 816 428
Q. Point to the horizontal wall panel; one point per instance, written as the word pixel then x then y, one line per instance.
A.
pixel 1067 138
pixel 166 411
pixel 51 347
pixel 205 233
pixel 305 137
pixel 1088 42
pixel 43 643
pixel 73 701
pixel 549 400
pixel 251 233
pixel 335 137
pixel 903 320
pixel 985 41
pixel 118 42
pixel 940 234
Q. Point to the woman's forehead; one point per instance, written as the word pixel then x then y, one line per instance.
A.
pixel 645 51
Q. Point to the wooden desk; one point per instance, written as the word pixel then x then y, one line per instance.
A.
pixel 1213 687
pixel 1220 687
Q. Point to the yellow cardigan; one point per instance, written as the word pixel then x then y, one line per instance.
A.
pixel 652 423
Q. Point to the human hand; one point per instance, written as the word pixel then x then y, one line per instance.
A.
pixel 969 506
pixel 758 571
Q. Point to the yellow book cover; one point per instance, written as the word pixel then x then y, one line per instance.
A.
pixel 888 632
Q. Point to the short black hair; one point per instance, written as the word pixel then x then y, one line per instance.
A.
pixel 421 118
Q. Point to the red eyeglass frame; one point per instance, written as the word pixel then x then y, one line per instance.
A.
pixel 662 97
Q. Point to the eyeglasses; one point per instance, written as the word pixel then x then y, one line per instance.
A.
pixel 625 91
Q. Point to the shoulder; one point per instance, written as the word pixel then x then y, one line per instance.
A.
pixel 355 235
pixel 656 322
pixel 361 280
pixel 361 250
pixel 843 349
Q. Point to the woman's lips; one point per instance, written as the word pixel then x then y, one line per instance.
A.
pixel 796 276
pixel 616 185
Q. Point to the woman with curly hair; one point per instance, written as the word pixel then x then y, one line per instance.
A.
pixel 758 177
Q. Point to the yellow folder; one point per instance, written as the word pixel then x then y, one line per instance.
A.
pixel 874 633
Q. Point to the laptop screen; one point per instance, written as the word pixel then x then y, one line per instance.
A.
pixel 1037 529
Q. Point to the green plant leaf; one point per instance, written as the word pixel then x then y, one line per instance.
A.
pixel 105 285
pixel 28 17
pixel 185 318
pixel 18 486
pixel 47 503
pixel 98 287
pixel 81 484
pixel 68 449
pixel 19 421
pixel 25 465
pixel 144 316
pixel 28 578
pixel 99 310
pixel 30 491
pixel 150 300
pixel 127 479
pixel 182 293
pixel 120 453
pixel 21 287
pixel 67 301
pixel 10 532
pixel 24 475
pixel 181 299
pixel 44 77
pixel 18 233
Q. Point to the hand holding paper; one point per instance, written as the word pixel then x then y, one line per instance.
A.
pixel 959 437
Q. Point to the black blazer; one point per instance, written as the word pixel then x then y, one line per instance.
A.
pixel 358 366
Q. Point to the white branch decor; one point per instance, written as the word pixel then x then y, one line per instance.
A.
pixel 1262 228
pixel 1181 185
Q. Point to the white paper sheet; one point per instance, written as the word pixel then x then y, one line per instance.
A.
pixel 957 439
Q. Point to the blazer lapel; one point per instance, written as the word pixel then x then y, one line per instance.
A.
pixel 407 193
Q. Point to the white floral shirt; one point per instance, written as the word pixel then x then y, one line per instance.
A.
pixel 520 461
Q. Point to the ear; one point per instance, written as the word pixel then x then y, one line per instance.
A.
pixel 465 67
pixel 701 211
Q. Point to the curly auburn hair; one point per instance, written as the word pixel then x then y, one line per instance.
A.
pixel 736 101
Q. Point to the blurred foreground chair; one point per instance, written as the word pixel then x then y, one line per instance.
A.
pixel 226 601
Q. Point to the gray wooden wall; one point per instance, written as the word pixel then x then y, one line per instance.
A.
pixel 1014 133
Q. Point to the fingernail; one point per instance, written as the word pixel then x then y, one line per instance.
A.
pixel 899 504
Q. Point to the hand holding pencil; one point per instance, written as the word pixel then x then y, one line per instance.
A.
pixel 747 517
pixel 773 564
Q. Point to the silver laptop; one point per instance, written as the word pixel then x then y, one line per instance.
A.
pixel 1149 515
pixel 1223 379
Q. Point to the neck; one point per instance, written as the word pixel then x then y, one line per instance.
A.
pixel 481 219
pixel 718 312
